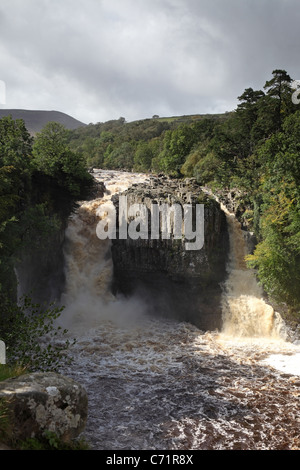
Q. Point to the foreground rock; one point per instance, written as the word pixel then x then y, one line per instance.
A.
pixel 40 402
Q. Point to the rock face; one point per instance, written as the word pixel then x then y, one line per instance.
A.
pixel 40 272
pixel 175 282
pixel 41 269
pixel 42 402
pixel 237 203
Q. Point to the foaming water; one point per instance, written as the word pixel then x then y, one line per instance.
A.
pixel 245 313
pixel 156 383
pixel 88 263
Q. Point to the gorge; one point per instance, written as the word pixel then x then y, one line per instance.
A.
pixel 177 349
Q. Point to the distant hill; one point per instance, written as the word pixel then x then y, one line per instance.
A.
pixel 36 120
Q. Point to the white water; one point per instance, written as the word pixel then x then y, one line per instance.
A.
pixel 160 384
pixel 245 313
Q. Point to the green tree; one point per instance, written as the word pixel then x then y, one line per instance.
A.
pixel 143 156
pixel 53 157
pixel 177 145
pixel 15 143
pixel 279 90
pixel 208 169
pixel 15 187
pixel 30 333
pixel 121 157
pixel 279 87
pixel 277 256
pixel 246 116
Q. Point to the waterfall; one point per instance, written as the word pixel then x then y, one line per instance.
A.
pixel 157 383
pixel 245 313
pixel 89 273
pixel 88 262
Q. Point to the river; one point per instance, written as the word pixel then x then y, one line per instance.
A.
pixel 160 384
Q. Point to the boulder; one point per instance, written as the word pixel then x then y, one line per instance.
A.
pixel 40 402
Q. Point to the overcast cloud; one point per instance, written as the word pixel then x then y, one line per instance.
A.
pixel 101 59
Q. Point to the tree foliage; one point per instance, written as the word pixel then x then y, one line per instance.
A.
pixel 277 256
pixel 40 181
pixel 53 157
pixel 32 338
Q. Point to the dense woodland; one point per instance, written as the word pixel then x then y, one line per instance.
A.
pixel 254 149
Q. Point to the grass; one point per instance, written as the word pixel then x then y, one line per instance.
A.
pixel 188 118
pixel 52 442
pixel 8 372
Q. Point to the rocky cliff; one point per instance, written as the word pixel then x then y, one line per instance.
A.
pixel 41 267
pixel 174 281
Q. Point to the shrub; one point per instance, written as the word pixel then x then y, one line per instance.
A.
pixel 32 337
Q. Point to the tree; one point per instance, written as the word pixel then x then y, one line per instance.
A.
pixel 208 169
pixel 53 157
pixel 277 256
pixel 279 88
pixel 29 331
pixel 121 157
pixel 144 154
pixel 247 113
pixel 177 145
pixel 49 148
pixel 15 187
pixel 15 143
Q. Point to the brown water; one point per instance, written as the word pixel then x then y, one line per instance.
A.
pixel 160 384
pixel 245 313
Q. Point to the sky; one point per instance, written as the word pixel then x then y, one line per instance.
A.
pixel 98 60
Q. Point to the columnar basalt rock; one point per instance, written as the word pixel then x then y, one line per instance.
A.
pixel 176 282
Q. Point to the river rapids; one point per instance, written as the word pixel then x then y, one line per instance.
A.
pixel 159 384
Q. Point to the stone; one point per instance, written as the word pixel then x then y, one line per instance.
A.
pixel 182 284
pixel 40 402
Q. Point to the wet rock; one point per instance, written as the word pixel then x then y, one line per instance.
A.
pixel 182 284
pixel 40 402
pixel 40 269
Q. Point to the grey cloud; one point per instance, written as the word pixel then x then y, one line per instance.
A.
pixel 99 60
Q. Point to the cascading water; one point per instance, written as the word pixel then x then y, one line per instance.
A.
pixel 156 383
pixel 89 267
pixel 245 313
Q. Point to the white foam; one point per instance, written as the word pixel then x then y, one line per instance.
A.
pixel 290 364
